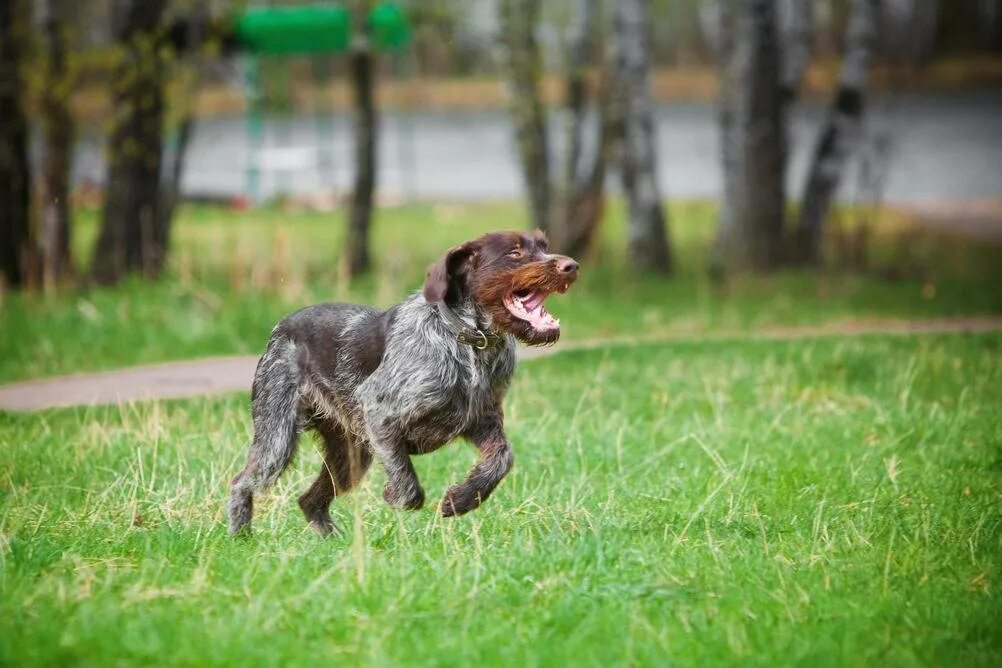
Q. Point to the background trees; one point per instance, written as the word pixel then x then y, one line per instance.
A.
pixel 568 202
pixel 131 237
pixel 840 133
pixel 518 21
pixel 581 104
pixel 762 65
pixel 57 144
pixel 566 197
pixel 753 138
pixel 648 237
pixel 15 174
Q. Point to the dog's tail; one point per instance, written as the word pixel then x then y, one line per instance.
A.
pixel 275 396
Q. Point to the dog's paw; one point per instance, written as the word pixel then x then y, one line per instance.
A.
pixel 459 500
pixel 410 499
pixel 325 527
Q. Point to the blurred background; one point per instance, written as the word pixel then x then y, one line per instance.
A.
pixel 176 175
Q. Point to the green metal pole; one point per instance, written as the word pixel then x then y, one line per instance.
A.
pixel 405 135
pixel 255 128
pixel 323 111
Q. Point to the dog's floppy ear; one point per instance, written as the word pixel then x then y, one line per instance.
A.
pixel 446 270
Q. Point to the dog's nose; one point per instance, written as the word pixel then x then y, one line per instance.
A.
pixel 566 265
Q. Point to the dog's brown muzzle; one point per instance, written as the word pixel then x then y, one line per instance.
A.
pixel 533 284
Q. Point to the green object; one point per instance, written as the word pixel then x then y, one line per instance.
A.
pixel 288 30
pixel 318 29
pixel 255 128
pixel 388 24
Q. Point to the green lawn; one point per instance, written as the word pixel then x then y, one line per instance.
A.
pixel 233 275
pixel 831 501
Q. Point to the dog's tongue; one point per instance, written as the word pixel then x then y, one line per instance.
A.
pixel 534 300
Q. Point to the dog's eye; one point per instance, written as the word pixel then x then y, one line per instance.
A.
pixel 515 253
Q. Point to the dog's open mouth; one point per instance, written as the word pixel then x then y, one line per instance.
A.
pixel 527 305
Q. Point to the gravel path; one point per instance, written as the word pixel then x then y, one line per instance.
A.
pixel 220 375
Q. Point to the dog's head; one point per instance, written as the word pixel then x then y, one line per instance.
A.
pixel 507 275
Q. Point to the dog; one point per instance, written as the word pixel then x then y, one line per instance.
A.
pixel 389 384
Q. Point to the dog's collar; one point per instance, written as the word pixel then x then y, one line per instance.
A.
pixel 469 334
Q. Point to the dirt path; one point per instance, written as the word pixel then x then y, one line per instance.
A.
pixel 979 219
pixel 220 375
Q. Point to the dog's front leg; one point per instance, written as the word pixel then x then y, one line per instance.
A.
pixel 496 459
pixel 402 489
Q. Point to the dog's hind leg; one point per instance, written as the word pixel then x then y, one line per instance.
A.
pixel 345 464
pixel 276 429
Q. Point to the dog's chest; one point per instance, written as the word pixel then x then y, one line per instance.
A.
pixel 477 388
pixel 429 400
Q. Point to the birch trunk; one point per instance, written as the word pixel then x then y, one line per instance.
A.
pixel 582 192
pixel 753 139
pixel 797 21
pixel 648 239
pixel 518 23
pixel 840 134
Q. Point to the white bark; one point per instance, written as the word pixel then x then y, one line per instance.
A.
pixel 841 133
pixel 796 20
pixel 518 22
pixel 648 238
pixel 581 192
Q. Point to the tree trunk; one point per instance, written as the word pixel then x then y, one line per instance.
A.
pixel 648 238
pixel 518 23
pixel 797 22
pixel 187 36
pixel 356 257
pixel 585 202
pixel 57 142
pixel 170 189
pixel 582 191
pixel 15 174
pixel 989 14
pixel 839 135
pixel 753 139
pixel 129 238
pixel 924 27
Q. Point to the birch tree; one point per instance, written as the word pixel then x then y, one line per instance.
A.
pixel 581 195
pixel 648 239
pixel 567 202
pixel 796 19
pixel 840 133
pixel 753 138
pixel 524 66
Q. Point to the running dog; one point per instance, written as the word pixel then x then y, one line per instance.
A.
pixel 388 384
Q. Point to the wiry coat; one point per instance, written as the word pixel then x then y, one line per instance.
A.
pixel 377 383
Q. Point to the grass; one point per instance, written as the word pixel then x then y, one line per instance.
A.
pixel 827 501
pixel 233 275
